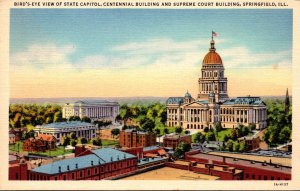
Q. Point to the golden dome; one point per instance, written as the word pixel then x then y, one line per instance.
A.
pixel 212 58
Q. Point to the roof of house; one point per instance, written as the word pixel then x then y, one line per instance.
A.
pixel 93 102
pixel 98 157
pixel 46 137
pixel 244 101
pixel 175 136
pixel 66 124
pixel 175 100
pixel 150 148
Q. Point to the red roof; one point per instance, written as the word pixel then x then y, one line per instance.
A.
pixel 46 137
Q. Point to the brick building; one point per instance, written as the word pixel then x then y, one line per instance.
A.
pixel 252 142
pixel 41 143
pixel 92 165
pixel 173 140
pixel 133 138
pixel 17 169
pixel 254 168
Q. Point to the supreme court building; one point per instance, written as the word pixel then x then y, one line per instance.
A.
pixel 213 104
pixel 94 109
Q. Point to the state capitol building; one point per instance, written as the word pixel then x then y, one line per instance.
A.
pixel 213 104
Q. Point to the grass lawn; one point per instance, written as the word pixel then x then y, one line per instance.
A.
pixel 109 142
pixel 18 147
pixel 161 128
pixel 222 133
pixel 56 152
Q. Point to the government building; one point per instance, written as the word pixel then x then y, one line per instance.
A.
pixel 213 104
pixel 64 129
pixel 100 109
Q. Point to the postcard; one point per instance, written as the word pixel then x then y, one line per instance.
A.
pixel 159 95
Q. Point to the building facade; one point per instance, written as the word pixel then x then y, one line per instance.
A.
pixel 213 104
pixel 100 109
pixel 133 138
pixel 63 129
pixel 253 169
pixel 95 165
pixel 173 140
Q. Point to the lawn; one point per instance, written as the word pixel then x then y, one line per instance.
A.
pixel 106 142
pixel 161 128
pixel 56 152
pixel 222 133
pixel 18 147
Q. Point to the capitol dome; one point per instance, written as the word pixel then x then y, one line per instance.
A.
pixel 212 57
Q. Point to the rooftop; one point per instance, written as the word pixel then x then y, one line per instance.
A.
pixel 175 100
pixel 93 102
pixel 66 124
pixel 99 156
pixel 244 101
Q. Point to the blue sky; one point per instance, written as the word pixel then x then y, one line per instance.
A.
pixel 97 38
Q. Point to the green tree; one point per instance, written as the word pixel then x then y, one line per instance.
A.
pixel 66 141
pixel 225 138
pixel 148 126
pixel 74 118
pixel 166 131
pixel 182 148
pixel 206 129
pixel 96 142
pixel 187 132
pixel 234 134
pixel 82 140
pixel 199 138
pixel 229 145
pixel 284 134
pixel 73 143
pixel 115 132
pixel 242 147
pixel 178 130
pixel 218 126
pixel 210 136
pixel 236 146
pixel 252 126
pixel 86 119
pixel 72 135
pixel 157 131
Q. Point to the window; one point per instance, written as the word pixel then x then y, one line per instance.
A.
pixel 259 177
pixel 253 176
pixel 247 175
pixel 80 174
pixel 65 177
pixel 272 177
pixel 89 172
pixel 55 178
pixel 266 178
pixel 73 176
pixel 278 178
pixel 17 176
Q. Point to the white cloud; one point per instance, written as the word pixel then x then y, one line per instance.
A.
pixel 43 56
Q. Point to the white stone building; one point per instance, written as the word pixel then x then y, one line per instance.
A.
pixel 213 104
pixel 63 129
pixel 100 109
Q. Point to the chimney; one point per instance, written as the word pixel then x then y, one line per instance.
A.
pixel 111 158
pixel 68 167
pixel 92 163
pixel 59 169
pixel 76 165
pixel 124 156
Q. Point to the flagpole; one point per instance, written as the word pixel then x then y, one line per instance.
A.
pixel 212 35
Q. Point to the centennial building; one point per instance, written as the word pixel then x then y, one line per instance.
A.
pixel 213 104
